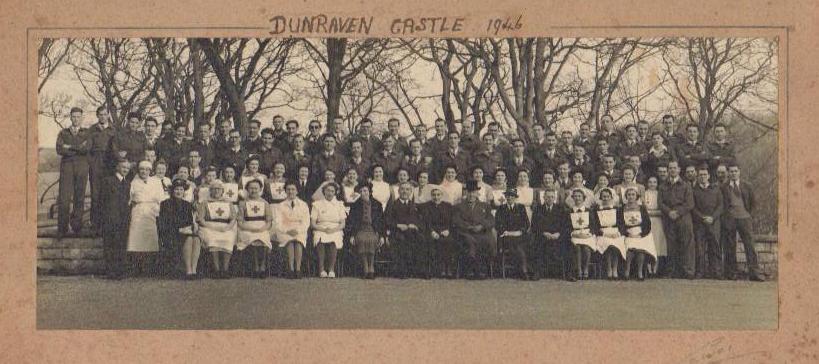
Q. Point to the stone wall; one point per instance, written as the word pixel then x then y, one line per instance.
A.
pixel 767 249
pixel 83 255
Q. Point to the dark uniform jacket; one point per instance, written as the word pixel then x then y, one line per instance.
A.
pixel 546 163
pixel 745 190
pixel 71 146
pixel 461 160
pixel 268 158
pixel 322 162
pixel 354 218
pixel 362 167
pixel 173 151
pixel 489 162
pixel 293 161
pixel 707 202
pixel 692 154
pixel 390 162
pixel 721 153
pixel 402 213
pixel 252 145
pixel 513 167
pixel 465 215
pixel 554 220
pixel 471 143
pixel 101 143
pixel 511 219
pixel 236 158
pixel 676 196
pixel 116 212
pixel 437 146
pixel 415 165
pixel 174 214
pixel 133 143
pixel 437 217
pixel 206 152
pixel 625 149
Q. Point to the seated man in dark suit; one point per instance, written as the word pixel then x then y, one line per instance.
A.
pixel 551 228
pixel 474 224
pixel 403 220
pixel 438 224
pixel 512 225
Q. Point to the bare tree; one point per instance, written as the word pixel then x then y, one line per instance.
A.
pixel 249 71
pixel 115 73
pixel 527 74
pixel 710 76
pixel 340 62
pixel 52 53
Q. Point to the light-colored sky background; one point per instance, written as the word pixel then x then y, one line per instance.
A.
pixel 64 83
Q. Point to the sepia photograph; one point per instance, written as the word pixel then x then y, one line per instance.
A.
pixel 529 183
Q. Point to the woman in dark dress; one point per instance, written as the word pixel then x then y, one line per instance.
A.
pixel 365 227
pixel 176 230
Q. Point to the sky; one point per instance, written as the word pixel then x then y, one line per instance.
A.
pixel 65 84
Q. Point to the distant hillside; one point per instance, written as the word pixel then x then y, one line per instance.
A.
pixel 48 160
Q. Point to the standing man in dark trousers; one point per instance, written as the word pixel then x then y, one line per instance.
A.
pixel 100 161
pixel 708 207
pixel 676 203
pixel 73 145
pixel 115 195
pixel 512 225
pixel 550 229
pixel 739 204
pixel 403 220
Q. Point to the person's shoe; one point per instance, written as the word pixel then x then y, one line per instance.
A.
pixel 571 279
pixel 323 274
pixel 331 274
pixel 297 275
pixel 756 278
pixel 641 278
pixel 261 275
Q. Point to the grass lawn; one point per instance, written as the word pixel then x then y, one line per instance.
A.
pixel 86 302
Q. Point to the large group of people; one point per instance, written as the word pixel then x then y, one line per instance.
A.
pixel 624 204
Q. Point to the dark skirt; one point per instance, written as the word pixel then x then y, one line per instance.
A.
pixel 366 242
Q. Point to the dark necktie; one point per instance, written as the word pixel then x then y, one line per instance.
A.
pixel 292 204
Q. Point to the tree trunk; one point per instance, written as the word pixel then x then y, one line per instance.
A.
pixel 198 87
pixel 236 104
pixel 336 49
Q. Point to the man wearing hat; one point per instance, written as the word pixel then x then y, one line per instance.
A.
pixel 474 223
pixel 512 225
pixel 115 216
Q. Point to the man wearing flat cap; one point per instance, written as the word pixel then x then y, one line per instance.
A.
pixel 474 223
pixel 512 225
